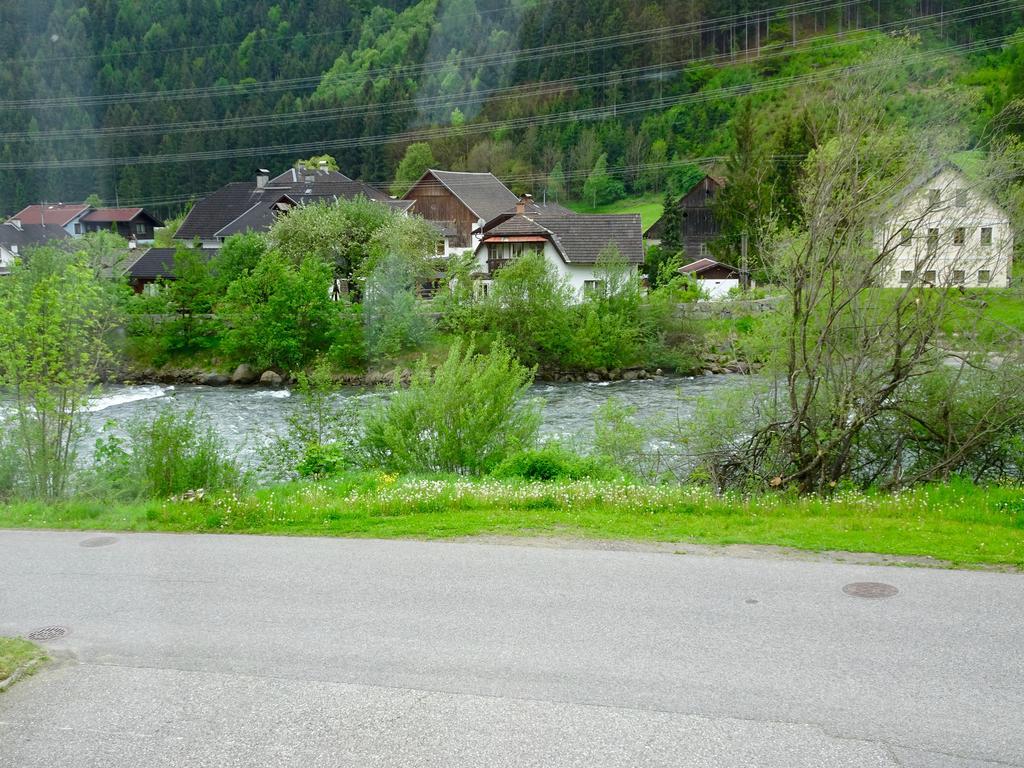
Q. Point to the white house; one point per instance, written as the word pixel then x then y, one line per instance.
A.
pixel 16 238
pixel 946 231
pixel 571 242
pixel 714 278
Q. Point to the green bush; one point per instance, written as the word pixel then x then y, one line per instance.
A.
pixel 464 418
pixel 552 462
pixel 281 315
pixel 167 455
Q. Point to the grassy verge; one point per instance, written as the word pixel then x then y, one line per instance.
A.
pixel 648 206
pixel 14 653
pixel 956 522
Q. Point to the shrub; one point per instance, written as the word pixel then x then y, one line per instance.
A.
pixel 553 462
pixel 320 438
pixel 168 455
pixel 466 417
pixel 281 315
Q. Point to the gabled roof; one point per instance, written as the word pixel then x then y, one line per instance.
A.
pixel 153 263
pixel 482 193
pixel 110 215
pixel 217 210
pixel 222 212
pixel 29 235
pixel 703 265
pixel 57 214
pixel 298 174
pixel 579 238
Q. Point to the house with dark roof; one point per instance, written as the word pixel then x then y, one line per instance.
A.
pixel 16 238
pixel 253 206
pixel 460 203
pixel 697 223
pixel 130 223
pixel 152 264
pixel 571 242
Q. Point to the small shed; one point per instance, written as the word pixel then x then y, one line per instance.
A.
pixel 715 278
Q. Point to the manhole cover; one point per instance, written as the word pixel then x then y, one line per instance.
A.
pixel 98 541
pixel 871 589
pixel 47 633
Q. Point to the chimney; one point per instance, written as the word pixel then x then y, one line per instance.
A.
pixel 262 179
pixel 524 201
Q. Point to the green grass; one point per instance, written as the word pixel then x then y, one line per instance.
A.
pixel 957 522
pixel 648 206
pixel 15 652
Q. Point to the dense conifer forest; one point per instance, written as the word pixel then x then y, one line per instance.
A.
pixel 157 103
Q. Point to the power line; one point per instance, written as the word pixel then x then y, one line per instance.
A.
pixel 511 56
pixel 589 114
pixel 532 90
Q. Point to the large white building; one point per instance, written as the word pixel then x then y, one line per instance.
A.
pixel 946 232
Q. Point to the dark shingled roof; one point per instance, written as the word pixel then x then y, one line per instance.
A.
pixel 579 238
pixel 217 215
pixel 481 193
pixel 29 235
pixel 217 210
pixel 153 263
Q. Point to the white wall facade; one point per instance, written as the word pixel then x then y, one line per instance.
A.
pixel 947 233
pixel 576 275
pixel 717 288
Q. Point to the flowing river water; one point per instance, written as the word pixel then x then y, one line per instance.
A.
pixel 248 417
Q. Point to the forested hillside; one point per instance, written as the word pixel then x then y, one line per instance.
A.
pixel 157 102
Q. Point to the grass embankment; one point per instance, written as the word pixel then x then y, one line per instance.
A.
pixel 648 206
pixel 16 653
pixel 957 522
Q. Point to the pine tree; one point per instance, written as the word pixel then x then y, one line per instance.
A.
pixel 672 223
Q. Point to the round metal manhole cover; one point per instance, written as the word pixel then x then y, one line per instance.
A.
pixel 43 634
pixel 98 541
pixel 870 589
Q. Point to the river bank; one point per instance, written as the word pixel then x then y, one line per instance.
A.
pixel 954 524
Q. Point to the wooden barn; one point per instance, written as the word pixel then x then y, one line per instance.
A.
pixel 697 223
pixel 459 203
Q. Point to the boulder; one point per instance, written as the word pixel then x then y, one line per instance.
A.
pixel 214 379
pixel 271 379
pixel 629 375
pixel 244 374
pixel 593 376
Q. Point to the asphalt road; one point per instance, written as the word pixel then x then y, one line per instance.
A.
pixel 247 651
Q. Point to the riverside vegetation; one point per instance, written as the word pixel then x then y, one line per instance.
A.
pixel 867 428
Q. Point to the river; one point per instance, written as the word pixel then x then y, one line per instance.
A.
pixel 248 417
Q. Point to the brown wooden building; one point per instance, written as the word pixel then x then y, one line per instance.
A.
pixel 137 223
pixel 460 202
pixel 698 226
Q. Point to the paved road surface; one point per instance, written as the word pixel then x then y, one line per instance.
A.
pixel 246 651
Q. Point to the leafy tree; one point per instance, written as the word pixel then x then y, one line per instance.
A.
pixel 315 160
pixel 237 258
pixel 601 188
pixel 556 183
pixel 417 159
pixel 280 315
pixel 52 345
pixel 94 200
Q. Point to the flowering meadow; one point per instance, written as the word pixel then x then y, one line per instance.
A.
pixel 956 523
